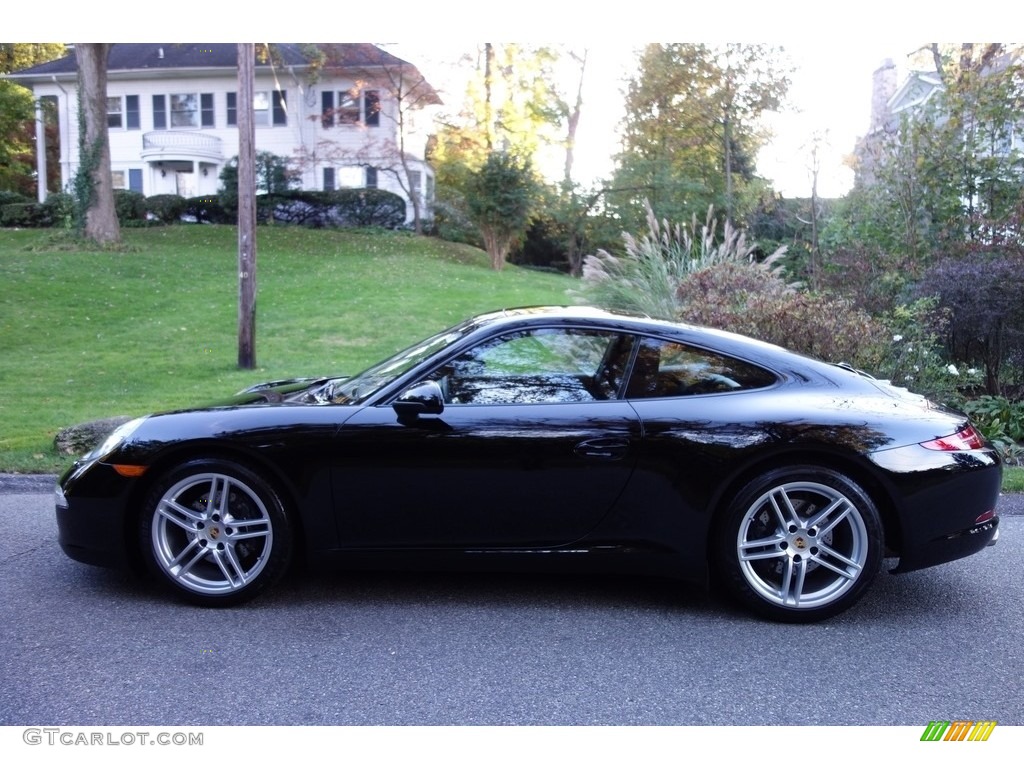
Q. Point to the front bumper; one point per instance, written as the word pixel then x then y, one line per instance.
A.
pixel 91 502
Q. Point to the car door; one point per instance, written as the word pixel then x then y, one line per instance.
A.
pixel 532 449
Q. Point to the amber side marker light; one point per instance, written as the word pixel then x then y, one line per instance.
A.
pixel 965 440
pixel 129 470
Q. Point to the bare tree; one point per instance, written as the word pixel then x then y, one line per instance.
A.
pixel 573 119
pixel 408 91
pixel 94 187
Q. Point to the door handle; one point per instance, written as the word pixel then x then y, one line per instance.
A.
pixel 608 448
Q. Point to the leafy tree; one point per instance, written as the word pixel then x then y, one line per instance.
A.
pixel 501 197
pixel 691 135
pixel 17 117
pixel 274 176
pixel 512 105
pixel 947 178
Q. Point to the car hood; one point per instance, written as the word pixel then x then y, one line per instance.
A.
pixel 274 391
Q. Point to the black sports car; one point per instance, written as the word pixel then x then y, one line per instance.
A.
pixel 549 438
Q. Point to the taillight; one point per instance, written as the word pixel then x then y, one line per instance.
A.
pixel 968 439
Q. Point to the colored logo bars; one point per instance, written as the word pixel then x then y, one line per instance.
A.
pixel 958 730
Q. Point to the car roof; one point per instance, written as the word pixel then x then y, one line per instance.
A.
pixel 726 342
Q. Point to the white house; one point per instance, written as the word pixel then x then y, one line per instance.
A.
pixel 890 102
pixel 344 114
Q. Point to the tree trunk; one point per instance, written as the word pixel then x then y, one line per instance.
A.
pixel 100 223
pixel 573 122
pixel 246 208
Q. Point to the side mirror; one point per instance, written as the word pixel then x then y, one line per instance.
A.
pixel 425 398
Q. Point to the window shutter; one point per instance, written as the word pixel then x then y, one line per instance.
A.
pixel 160 113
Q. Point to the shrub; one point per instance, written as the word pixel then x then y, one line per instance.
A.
pixel 207 209
pixel 13 198
pixel 167 209
pixel 749 298
pixel 21 215
pixel 1001 421
pixel 130 206
pixel 339 208
pixel 986 315
pixel 647 278
pixel 59 210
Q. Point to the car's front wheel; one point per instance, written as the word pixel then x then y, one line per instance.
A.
pixel 216 532
pixel 799 544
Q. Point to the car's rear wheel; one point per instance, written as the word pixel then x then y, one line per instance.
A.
pixel 215 532
pixel 799 544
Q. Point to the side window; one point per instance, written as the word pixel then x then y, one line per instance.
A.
pixel 669 369
pixel 546 365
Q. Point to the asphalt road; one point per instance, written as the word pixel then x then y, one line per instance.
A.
pixel 84 646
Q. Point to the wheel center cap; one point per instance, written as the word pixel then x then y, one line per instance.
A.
pixel 214 532
pixel 800 542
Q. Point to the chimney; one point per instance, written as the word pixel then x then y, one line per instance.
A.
pixel 883 88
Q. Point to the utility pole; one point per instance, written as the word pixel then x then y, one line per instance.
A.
pixel 246 208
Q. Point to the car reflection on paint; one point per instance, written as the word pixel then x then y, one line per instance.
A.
pixel 548 438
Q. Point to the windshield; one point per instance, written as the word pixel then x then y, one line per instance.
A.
pixel 357 388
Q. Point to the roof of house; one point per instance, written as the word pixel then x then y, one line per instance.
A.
pixel 128 58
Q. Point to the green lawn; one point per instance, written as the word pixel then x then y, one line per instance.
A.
pixel 85 335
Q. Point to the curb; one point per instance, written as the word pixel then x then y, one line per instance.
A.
pixel 27 483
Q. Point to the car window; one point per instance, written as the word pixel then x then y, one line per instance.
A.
pixel 669 369
pixel 545 365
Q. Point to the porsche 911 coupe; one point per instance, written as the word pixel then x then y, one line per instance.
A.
pixel 548 438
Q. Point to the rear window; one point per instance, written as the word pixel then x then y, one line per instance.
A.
pixel 670 369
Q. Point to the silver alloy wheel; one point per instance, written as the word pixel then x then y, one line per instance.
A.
pixel 211 533
pixel 802 545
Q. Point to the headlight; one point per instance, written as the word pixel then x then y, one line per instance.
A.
pixel 114 439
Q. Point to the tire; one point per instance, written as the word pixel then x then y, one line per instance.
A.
pixel 215 532
pixel 799 545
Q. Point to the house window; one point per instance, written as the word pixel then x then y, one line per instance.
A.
pixel 352 108
pixel 328 179
pixel 415 182
pixel 135 179
pixel 429 194
pixel 114 113
pixel 268 107
pixel 117 177
pixel 184 110
pixel 261 108
pixel 123 112
pixel 351 176
pixel 347 112
pixel 371 178
pixel 187 110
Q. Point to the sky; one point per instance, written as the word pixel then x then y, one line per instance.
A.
pixel 834 49
pixel 828 100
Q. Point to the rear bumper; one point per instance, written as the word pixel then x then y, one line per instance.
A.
pixel 945 503
pixel 950 547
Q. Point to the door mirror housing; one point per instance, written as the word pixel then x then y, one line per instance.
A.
pixel 423 399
